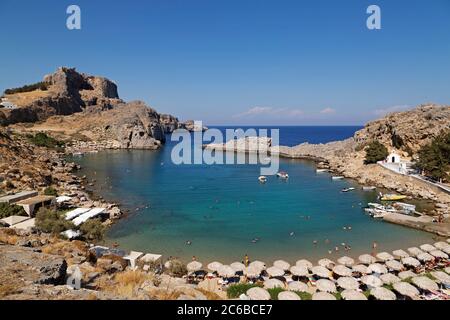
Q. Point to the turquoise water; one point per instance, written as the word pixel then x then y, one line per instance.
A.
pixel 221 208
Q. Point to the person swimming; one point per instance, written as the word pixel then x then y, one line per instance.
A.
pixel 188 242
pixel 292 233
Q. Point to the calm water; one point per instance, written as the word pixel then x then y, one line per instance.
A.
pixel 221 208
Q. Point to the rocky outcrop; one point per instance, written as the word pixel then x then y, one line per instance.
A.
pixel 191 126
pixel 169 123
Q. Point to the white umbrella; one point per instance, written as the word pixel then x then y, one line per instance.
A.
pixel 439 254
pixel 275 272
pixel 353 295
pixel 414 251
pixel 410 261
pixel 378 268
pixel 214 266
pixel 446 250
pixel 325 285
pixel 237 266
pixel 427 247
pixel 447 269
pixel 299 271
pixel 406 274
pixel 384 256
pixel 258 265
pixel 252 272
pixel 389 278
pixel 288 295
pixel 371 281
pixel 342 271
pixel 381 293
pixel 346 261
pixel 441 277
pixel 194 266
pixel 297 286
pixel 321 271
pixel 425 283
pixel 348 283
pixel 226 271
pixel 394 265
pixel 400 254
pixel 323 296
pixel 257 293
pixel 441 245
pixel 327 263
pixel 425 257
pixel 304 263
pixel 448 240
pixel 406 289
pixel 367 259
pixel 283 265
pixel 273 283
pixel 361 269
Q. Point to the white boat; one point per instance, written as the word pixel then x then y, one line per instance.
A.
pixel 77 154
pixel 283 175
pixel 262 179
pixel 321 170
pixel 347 189
pixel 379 214
pixel 337 177
pixel 368 188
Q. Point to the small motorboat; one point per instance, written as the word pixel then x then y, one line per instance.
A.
pixel 282 175
pixel 262 179
pixel 337 177
pixel 347 189
pixel 369 188
pixel 379 214
pixel 321 170
pixel 392 197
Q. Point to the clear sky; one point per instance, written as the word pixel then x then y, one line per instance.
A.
pixel 277 62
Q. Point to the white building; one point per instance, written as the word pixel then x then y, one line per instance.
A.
pixel 393 158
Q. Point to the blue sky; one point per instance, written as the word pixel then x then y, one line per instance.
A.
pixel 241 62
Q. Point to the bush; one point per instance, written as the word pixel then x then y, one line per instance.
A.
pixel 28 88
pixel 235 290
pixel 7 210
pixel 93 229
pixel 434 158
pixel 43 140
pixel 304 295
pixel 274 292
pixel 51 221
pixel 177 268
pixel 375 152
pixel 50 191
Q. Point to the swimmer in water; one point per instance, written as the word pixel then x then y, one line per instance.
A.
pixel 315 242
pixel 292 234
pixel 188 242
pixel 336 249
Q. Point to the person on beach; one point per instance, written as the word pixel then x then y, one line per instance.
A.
pixel 194 258
pixel 374 248
pixel 246 260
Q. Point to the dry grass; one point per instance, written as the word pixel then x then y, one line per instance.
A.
pixel 8 236
pixel 25 98
pixel 8 289
pixel 124 283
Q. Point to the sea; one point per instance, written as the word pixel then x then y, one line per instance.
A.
pixel 221 212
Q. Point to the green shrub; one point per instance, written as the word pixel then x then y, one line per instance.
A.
pixel 43 140
pixel 52 221
pixel 177 268
pixel 28 88
pixel 235 290
pixel 7 210
pixel 375 152
pixel 434 158
pixel 274 293
pixel 50 191
pixel 304 295
pixel 93 229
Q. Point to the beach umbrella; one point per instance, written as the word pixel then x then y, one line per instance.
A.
pixel 425 283
pixel 446 250
pixel 226 271
pixel 273 283
pixel 275 272
pixel 447 269
pixel 214 266
pixel 441 277
pixel 283 265
pixel 361 269
pixel 323 296
pixel 297 286
pixel 425 257
pixel 371 281
pixel 439 254
pixel 321 271
pixel 400 254
pixel 410 261
pixel 237 266
pixel 377 268
pixel 300 271
pixel 348 283
pixel 405 289
pixel 342 271
pixel 384 256
pixel 394 265
pixel 406 274
pixel 327 263
pixel 288 295
pixel 194 266
pixel 305 263
pixel 414 251
pixel 367 259
pixel 168 264
pixel 381 293
pixel 252 272
pixel 441 245
pixel 257 293
pixel 427 247
pixel 346 261
pixel 326 285
pixel 389 278
pixel 448 240
pixel 353 295
pixel 258 265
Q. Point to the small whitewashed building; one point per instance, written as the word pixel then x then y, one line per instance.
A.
pixel 393 157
